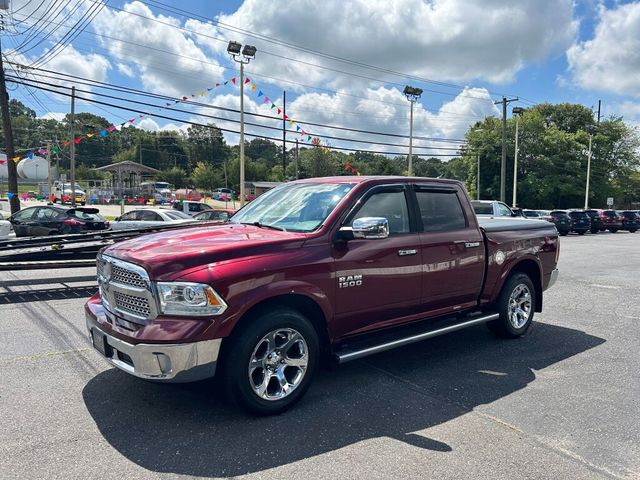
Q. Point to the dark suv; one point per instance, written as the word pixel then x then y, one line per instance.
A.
pixel 631 220
pixel 580 222
pixel 612 221
pixel 562 221
pixel 597 224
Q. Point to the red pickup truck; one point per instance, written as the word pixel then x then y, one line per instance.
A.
pixel 318 269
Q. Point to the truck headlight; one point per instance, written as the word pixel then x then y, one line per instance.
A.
pixel 186 298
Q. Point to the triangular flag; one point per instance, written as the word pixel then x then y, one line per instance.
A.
pixel 103 133
pixel 227 81
pixel 168 104
pixel 30 155
pixel 10 195
pixel 254 86
pixel 297 128
pixel 308 138
pixel 290 121
pixel 185 98
pixel 279 111
pixel 202 93
pixel 66 144
pixel 266 100
pixel 193 95
pixel 140 116
pixel 2 162
pixel 77 140
pixel 89 135
pixel 347 166
pixel 284 117
pixel 260 93
pixel 42 151
pixel 303 132
pixel 112 128
pixel 55 148
pixel 233 80
pixel 273 105
pixel 131 120
pixel 15 159
pixel 247 81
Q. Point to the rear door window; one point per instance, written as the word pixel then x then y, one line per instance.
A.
pixel 504 211
pixel 440 210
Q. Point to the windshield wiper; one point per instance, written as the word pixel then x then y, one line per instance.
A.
pixel 264 225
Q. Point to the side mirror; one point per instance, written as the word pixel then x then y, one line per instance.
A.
pixel 117 219
pixel 370 228
pixel 517 212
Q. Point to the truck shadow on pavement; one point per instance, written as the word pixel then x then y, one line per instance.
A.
pixel 190 430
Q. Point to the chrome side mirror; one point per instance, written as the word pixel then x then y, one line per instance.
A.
pixel 370 227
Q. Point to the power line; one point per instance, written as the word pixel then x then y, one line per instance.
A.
pixel 166 117
pixel 133 91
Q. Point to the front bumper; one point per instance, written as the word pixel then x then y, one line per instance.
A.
pixel 178 363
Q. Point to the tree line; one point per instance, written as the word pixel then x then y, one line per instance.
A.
pixel 552 162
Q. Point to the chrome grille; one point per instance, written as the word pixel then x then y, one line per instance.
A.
pixel 126 277
pixel 133 304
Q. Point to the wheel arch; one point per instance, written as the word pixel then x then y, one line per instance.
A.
pixel 532 269
pixel 302 304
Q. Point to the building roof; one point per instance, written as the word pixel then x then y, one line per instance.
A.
pixel 128 167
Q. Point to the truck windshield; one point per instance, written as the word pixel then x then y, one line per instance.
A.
pixel 295 207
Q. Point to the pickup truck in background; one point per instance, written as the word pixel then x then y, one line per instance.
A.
pixel 329 269
pixel 494 208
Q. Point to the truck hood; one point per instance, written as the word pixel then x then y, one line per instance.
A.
pixel 165 254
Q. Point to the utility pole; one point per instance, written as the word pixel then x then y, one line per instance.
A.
pixel 478 187
pixel 412 94
pixel 599 106
pixel 296 159
pixel 284 134
pixel 517 112
pixel 49 171
pixel 72 146
pixel 12 171
pixel 503 164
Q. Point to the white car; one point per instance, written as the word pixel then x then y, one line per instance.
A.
pixel 6 230
pixel 149 217
pixel 189 207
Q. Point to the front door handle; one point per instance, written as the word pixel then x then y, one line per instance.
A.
pixel 471 244
pixel 404 253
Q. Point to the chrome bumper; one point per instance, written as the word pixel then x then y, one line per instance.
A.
pixel 179 363
pixel 553 278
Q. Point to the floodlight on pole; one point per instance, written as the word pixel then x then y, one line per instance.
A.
pixel 517 112
pixel 412 94
pixel 248 53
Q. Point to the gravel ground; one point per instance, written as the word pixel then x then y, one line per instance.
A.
pixel 559 403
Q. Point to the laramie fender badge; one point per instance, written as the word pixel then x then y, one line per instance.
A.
pixel 350 281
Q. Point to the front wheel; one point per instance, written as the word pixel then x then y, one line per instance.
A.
pixel 270 363
pixel 516 305
pixel 613 230
pixel 632 231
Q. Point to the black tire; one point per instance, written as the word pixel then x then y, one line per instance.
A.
pixel 594 230
pixel 613 230
pixel 581 233
pixel 246 345
pixel 503 326
pixel 632 231
pixel 564 234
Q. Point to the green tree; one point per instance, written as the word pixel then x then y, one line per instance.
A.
pixel 206 177
pixel 175 176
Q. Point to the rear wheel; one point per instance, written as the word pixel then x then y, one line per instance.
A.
pixel 581 233
pixel 594 230
pixel 516 305
pixel 613 230
pixel 270 363
pixel 632 231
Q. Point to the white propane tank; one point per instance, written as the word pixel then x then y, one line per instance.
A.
pixel 33 168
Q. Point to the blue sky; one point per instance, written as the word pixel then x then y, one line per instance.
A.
pixel 463 53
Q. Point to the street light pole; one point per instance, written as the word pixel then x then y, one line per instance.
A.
pixel 248 53
pixel 412 94
pixel 503 163
pixel 586 192
pixel 478 187
pixel 517 111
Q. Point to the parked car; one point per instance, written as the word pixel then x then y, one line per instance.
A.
pixel 532 214
pixel 224 194
pixel 6 230
pixel 54 220
pixel 216 214
pixel 149 217
pixel 493 208
pixel 580 221
pixel 562 221
pixel 62 193
pixel 631 221
pixel 611 220
pixel 318 269
pixel 190 208
pixel 597 225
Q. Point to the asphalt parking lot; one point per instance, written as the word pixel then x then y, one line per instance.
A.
pixel 560 403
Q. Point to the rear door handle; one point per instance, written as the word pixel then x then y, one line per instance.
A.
pixel 471 244
pixel 411 251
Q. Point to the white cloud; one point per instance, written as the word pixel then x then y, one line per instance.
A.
pixel 449 40
pixel 173 65
pixel 611 60
pixel 126 70
pixel 59 116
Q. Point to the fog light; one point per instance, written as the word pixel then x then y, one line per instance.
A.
pixel 164 362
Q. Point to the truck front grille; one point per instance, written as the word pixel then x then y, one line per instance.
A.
pixel 126 291
pixel 133 304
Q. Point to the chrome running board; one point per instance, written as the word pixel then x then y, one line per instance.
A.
pixel 347 355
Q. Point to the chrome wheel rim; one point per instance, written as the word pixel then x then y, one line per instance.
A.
pixel 520 306
pixel 278 364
